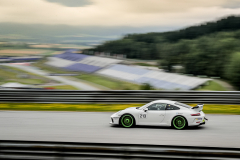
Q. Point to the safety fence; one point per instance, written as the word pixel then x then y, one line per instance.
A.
pixel 71 150
pixel 118 96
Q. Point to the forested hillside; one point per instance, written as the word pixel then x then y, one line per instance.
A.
pixel 211 49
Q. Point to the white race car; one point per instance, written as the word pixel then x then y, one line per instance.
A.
pixel 161 113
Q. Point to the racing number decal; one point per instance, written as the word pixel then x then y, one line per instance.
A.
pixel 143 116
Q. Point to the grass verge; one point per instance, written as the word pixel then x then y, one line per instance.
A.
pixel 11 74
pixel 62 87
pixel 208 108
pixel 109 82
pixel 213 86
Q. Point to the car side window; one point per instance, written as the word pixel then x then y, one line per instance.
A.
pixel 157 106
pixel 171 107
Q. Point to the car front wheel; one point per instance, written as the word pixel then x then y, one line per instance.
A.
pixel 179 122
pixel 127 121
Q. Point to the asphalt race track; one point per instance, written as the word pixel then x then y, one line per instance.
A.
pixel 220 131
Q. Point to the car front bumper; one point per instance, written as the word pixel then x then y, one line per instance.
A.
pixel 114 119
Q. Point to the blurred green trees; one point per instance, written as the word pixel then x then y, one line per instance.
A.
pixel 207 49
pixel 232 70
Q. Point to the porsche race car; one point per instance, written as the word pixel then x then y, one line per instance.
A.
pixel 161 113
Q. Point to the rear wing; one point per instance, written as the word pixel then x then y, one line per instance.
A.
pixel 198 107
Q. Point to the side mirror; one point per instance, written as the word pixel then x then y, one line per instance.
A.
pixel 146 109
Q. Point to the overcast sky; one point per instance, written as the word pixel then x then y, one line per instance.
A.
pixel 116 13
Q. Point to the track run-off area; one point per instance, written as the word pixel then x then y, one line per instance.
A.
pixel 220 130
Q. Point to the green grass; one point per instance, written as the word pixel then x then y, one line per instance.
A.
pixel 65 107
pixel 62 87
pixel 145 64
pixel 213 86
pixel 48 52
pixel 29 73
pixel 7 75
pixel 208 108
pixel 29 81
pixel 221 109
pixel 19 51
pixel 10 74
pixel 108 82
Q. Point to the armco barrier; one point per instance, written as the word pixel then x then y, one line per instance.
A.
pixel 117 96
pixel 70 150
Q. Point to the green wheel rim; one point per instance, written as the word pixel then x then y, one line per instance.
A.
pixel 179 122
pixel 127 121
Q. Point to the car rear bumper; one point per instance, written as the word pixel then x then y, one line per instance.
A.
pixel 198 121
pixel 204 121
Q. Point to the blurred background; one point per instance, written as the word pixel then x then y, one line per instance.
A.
pixel 96 45
pixel 82 60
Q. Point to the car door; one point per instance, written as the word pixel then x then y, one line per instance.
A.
pixel 154 114
pixel 171 111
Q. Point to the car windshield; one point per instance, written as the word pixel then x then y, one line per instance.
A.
pixel 142 106
pixel 182 104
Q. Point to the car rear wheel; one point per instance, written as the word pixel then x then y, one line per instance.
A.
pixel 179 122
pixel 127 121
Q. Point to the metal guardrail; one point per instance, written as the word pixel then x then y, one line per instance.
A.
pixel 117 96
pixel 70 150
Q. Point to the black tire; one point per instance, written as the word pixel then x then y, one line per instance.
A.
pixel 127 121
pixel 179 122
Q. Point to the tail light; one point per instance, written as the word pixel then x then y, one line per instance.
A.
pixel 197 114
